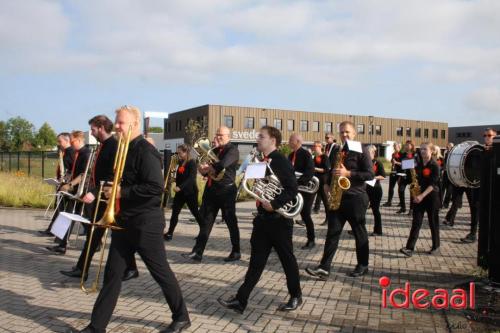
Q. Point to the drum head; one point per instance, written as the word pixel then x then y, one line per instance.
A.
pixel 472 166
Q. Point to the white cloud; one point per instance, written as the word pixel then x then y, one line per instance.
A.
pixel 486 100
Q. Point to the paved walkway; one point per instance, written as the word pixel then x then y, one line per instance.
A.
pixel 35 297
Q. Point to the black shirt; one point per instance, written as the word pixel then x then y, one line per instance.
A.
pixel 103 169
pixel 283 169
pixel 228 159
pixel 81 161
pixel 185 177
pixel 142 182
pixel 396 157
pixel 302 162
pixel 361 169
pixel 428 175
pixel 69 155
pixel 322 162
pixel 378 170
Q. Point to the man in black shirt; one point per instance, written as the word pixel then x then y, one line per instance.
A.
pixel 302 162
pixel 219 195
pixel 102 170
pixel 82 154
pixel 143 222
pixel 357 167
pixel 271 230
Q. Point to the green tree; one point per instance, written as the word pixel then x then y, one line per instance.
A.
pixel 285 149
pixel 195 130
pixel 3 136
pixel 155 129
pixel 19 134
pixel 46 138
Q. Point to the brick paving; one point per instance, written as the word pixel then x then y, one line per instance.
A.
pixel 35 297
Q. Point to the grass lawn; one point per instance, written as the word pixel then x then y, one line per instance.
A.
pixel 19 190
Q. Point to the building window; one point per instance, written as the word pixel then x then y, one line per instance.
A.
pixel 399 131
pixel 434 133
pixel 291 125
pixel 426 133
pixel 228 121
pixel 361 129
pixel 263 122
pixel 315 126
pixel 338 127
pixel 178 125
pixel 249 122
pixel 408 131
pixel 327 127
pixel 168 126
pixel 277 123
pixel 443 134
pixel 378 129
pixel 304 125
pixel 418 132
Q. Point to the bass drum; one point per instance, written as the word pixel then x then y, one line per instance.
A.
pixel 463 164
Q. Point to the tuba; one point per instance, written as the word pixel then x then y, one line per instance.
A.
pixel 170 174
pixel 108 220
pixel 311 187
pixel 266 189
pixel 206 155
pixel 339 184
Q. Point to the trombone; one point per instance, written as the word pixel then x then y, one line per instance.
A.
pixel 108 220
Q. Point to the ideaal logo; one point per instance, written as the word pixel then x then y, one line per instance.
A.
pixel 440 299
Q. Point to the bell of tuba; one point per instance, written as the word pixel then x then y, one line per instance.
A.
pixel 338 185
pixel 108 220
pixel 170 174
pixel 311 187
pixel 266 189
pixel 206 155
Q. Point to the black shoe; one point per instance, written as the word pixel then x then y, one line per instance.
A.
pixel 233 256
pixel 315 211
pixel 85 330
pixel 98 247
pixel 406 252
pixel 44 233
pixel 318 272
pixel 448 223
pixel 360 270
pixel 130 274
pixel 75 273
pixel 193 256
pixel 387 204
pixel 177 326
pixel 309 245
pixel 233 303
pixel 410 212
pixel 376 234
pixel 401 211
pixel 300 222
pixel 292 304
pixel 470 238
pixel 56 249
pixel 434 251
pixel 167 237
pixel 350 232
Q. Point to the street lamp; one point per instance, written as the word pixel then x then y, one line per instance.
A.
pixel 371 128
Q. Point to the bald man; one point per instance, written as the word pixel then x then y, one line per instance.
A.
pixel 302 162
pixel 219 195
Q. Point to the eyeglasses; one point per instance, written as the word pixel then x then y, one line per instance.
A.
pixel 488 135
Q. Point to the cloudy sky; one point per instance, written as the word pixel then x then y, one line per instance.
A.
pixel 65 61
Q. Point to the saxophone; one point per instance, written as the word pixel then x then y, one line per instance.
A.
pixel 338 185
pixel 414 186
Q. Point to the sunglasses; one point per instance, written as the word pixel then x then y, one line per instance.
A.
pixel 488 135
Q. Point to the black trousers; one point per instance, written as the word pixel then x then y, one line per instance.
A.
pixel 142 234
pixel 179 200
pixel 473 199
pixel 375 197
pixel 393 179
pixel 213 202
pixel 305 214
pixel 429 205
pixel 96 240
pixel 271 231
pixel 321 197
pixel 353 210
pixel 401 193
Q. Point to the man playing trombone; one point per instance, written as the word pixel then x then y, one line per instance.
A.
pixel 141 219
pixel 101 171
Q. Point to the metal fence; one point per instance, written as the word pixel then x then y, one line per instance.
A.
pixel 39 164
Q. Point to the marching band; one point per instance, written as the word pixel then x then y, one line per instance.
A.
pixel 345 177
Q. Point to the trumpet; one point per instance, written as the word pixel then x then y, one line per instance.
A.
pixel 206 155
pixel 266 189
pixel 311 187
pixel 108 220
pixel 170 174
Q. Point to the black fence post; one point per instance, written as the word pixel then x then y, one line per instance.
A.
pixel 29 163
pixel 10 161
pixel 1 162
pixel 43 164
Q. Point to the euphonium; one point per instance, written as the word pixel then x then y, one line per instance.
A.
pixel 206 155
pixel 266 189
pixel 170 174
pixel 414 186
pixel 311 187
pixel 339 184
pixel 108 219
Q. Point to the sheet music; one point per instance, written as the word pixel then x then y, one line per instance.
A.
pixel 52 181
pixel 354 146
pixel 371 182
pixel 256 170
pixel 408 164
